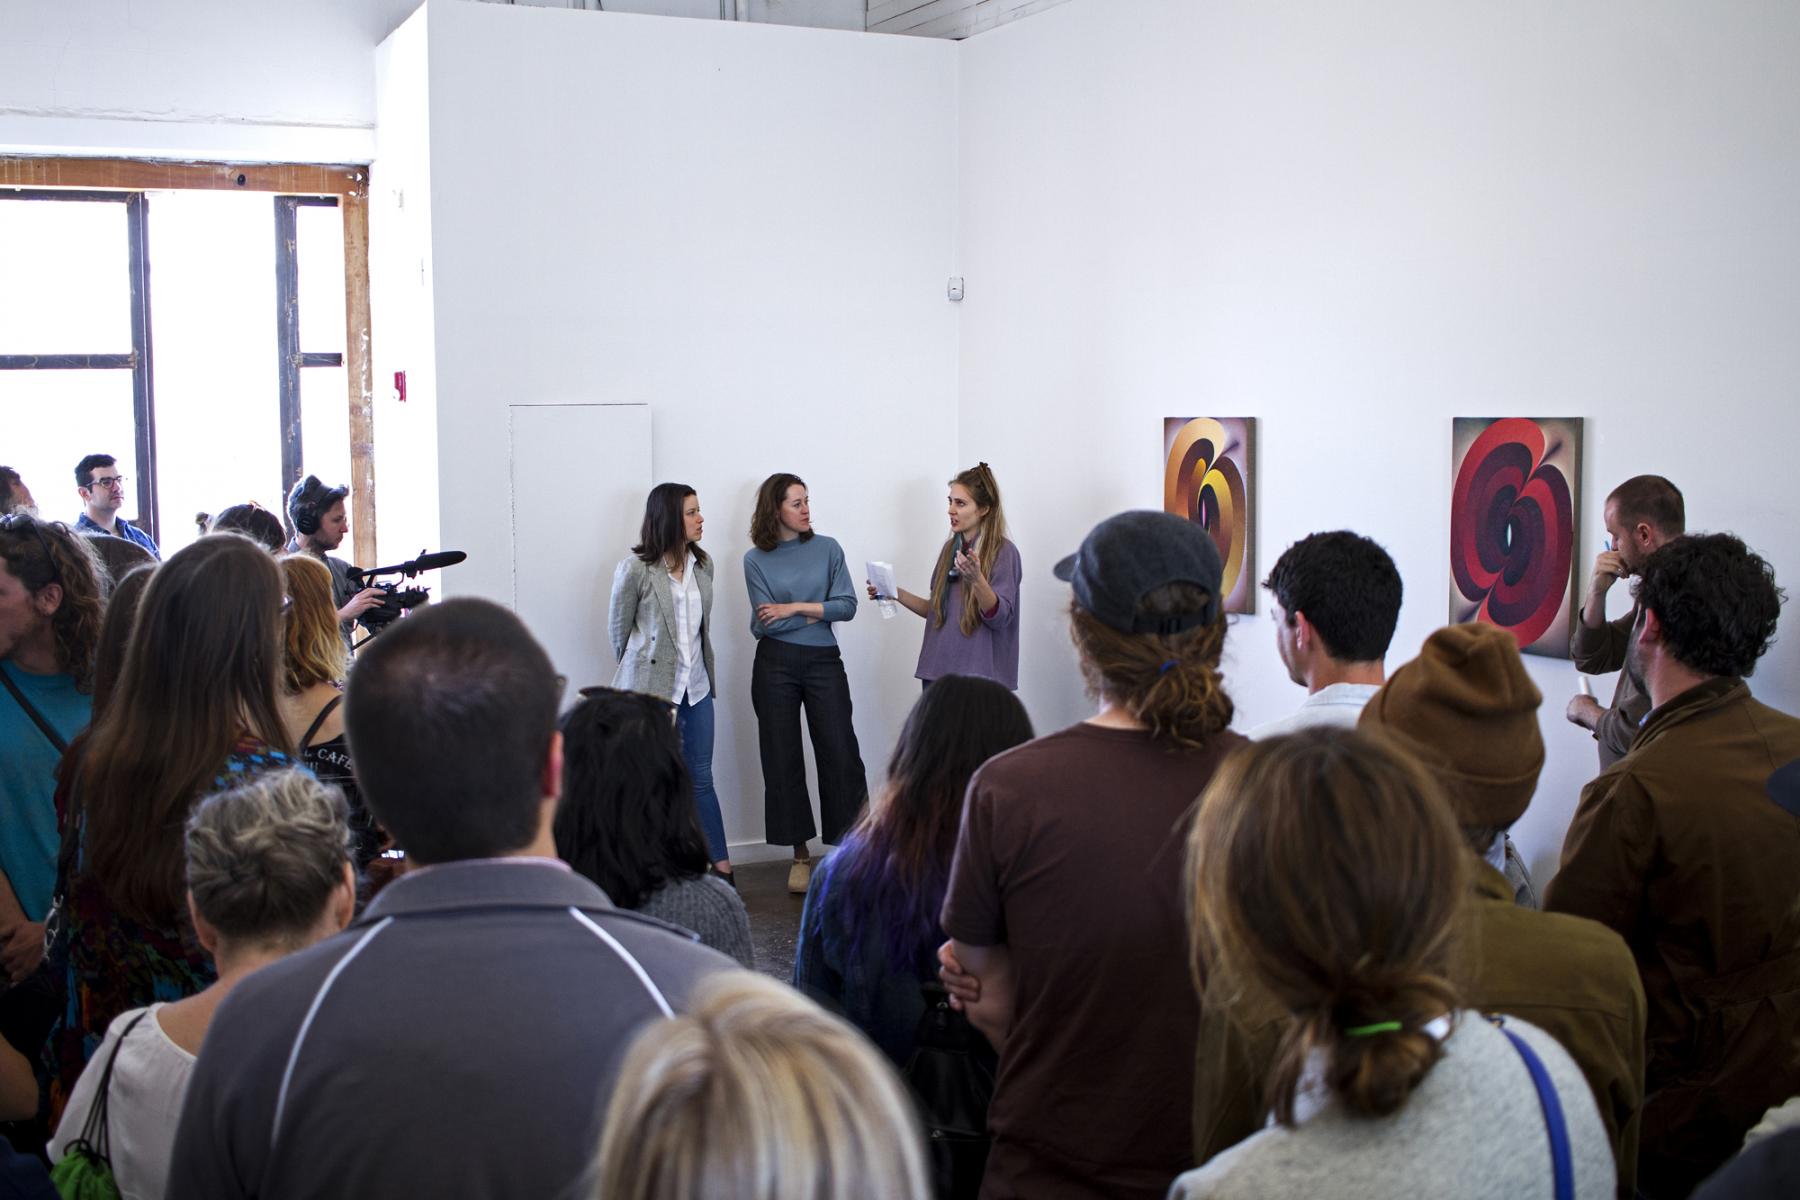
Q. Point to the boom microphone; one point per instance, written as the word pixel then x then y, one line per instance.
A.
pixel 425 562
pixel 433 562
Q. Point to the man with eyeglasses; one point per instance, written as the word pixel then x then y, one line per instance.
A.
pixel 102 491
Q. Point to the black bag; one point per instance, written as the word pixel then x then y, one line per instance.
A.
pixel 951 1074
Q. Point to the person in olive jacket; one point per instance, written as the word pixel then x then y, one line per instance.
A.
pixel 1466 709
pixel 1684 848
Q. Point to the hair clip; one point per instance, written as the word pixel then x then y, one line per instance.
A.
pixel 1372 1030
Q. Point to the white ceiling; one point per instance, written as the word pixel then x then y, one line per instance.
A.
pixel 918 18
pixel 947 18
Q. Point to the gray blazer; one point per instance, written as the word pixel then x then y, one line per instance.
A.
pixel 640 624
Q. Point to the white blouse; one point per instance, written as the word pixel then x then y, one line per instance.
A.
pixel 148 1084
pixel 690 683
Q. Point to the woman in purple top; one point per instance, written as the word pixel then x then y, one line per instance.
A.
pixel 972 614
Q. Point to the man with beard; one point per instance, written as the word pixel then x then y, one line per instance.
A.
pixel 1641 515
pixel 1688 849
pixel 319 520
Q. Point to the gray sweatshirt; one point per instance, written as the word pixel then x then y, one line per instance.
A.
pixel 711 909
pixel 1473 1129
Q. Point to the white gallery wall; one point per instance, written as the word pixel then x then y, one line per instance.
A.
pixel 747 227
pixel 1356 221
pixel 280 80
pixel 1351 220
pixel 402 313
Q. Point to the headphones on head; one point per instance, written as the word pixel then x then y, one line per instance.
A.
pixel 308 502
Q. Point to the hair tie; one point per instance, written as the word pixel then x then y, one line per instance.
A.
pixel 1168 665
pixel 1371 1030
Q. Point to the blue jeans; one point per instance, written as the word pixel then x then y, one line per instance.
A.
pixel 696 721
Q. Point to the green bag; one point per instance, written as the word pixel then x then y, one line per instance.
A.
pixel 85 1170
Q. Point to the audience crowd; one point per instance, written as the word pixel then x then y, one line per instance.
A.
pixel 281 920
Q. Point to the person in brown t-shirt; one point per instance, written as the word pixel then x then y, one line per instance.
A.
pixel 1065 913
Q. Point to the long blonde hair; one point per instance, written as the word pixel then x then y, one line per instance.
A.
pixel 984 489
pixel 313 641
pixel 757 1093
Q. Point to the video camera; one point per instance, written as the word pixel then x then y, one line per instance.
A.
pixel 396 601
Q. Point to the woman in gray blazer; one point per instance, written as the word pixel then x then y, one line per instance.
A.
pixel 660 624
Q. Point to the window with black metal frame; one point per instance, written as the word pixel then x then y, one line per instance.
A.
pixel 292 358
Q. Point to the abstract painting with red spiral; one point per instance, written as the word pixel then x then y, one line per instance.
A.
pixel 1513 506
pixel 1207 464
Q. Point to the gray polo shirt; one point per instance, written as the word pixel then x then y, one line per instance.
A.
pixel 460 1039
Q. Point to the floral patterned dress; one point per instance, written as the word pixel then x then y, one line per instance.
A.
pixel 112 963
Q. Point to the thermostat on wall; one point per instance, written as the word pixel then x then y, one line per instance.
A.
pixel 956 288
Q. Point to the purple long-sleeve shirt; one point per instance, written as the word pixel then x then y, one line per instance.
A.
pixel 992 651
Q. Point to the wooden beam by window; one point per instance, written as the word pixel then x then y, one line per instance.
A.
pixel 135 175
pixel 359 372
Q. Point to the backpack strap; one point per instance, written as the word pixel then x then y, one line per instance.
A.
pixel 94 1130
pixel 1561 1162
pixel 37 718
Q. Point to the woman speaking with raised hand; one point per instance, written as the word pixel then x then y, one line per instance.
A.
pixel 972 613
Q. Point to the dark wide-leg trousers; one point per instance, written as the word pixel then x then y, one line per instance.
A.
pixel 786 679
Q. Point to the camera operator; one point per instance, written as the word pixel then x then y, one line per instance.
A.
pixel 317 514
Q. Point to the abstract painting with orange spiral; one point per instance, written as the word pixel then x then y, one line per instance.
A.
pixel 1207 475
pixel 1514 500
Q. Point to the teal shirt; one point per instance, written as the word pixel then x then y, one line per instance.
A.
pixel 800 572
pixel 28 835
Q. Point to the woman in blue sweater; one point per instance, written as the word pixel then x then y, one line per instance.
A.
pixel 798 587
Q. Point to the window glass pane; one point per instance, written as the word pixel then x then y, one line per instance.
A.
pixel 67 281
pixel 54 419
pixel 325 437
pixel 218 418
pixel 319 245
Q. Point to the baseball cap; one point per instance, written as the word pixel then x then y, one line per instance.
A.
pixel 1127 556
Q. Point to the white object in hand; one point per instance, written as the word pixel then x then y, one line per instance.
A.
pixel 881 574
pixel 1581 682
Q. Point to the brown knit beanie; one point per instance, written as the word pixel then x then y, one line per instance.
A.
pixel 1467 708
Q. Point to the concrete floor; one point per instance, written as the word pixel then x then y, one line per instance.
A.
pixel 774 915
